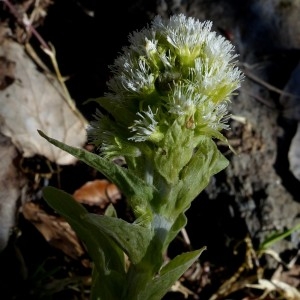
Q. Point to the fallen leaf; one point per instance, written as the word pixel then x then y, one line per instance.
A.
pixel 35 101
pixel 7 70
pixel 287 291
pixel 12 187
pixel 54 229
pixel 98 192
pixel 290 276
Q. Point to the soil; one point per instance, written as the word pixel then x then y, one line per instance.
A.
pixel 255 196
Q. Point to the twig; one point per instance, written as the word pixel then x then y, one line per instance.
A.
pixel 269 86
pixel 186 237
pixel 24 21
pixel 235 282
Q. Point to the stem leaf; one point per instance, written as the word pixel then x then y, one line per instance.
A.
pixel 171 272
pixel 277 236
pixel 206 162
pixel 132 186
pixel 107 256
pixel 133 239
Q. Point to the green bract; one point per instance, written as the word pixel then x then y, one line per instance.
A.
pixel 167 103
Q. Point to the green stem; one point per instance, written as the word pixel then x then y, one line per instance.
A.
pixel 141 274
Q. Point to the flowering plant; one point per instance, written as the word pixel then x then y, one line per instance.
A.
pixel 166 104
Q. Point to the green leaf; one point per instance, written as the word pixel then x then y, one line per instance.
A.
pixel 133 187
pixel 110 211
pixel 109 289
pixel 96 286
pixel 133 239
pixel 277 236
pixel 179 223
pixel 159 286
pixel 176 149
pixel 206 162
pixel 106 255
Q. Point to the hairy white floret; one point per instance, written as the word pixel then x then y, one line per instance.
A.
pixel 144 126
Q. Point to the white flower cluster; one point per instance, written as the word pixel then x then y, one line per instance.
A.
pixel 176 68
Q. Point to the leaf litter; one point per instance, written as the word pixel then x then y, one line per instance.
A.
pixel 36 101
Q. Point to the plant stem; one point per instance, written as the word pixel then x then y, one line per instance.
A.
pixel 141 274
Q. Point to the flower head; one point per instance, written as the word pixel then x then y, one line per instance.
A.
pixel 173 71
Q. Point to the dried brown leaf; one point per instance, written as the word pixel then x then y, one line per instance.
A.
pixel 54 229
pixel 7 71
pixel 36 101
pixel 12 186
pixel 99 192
